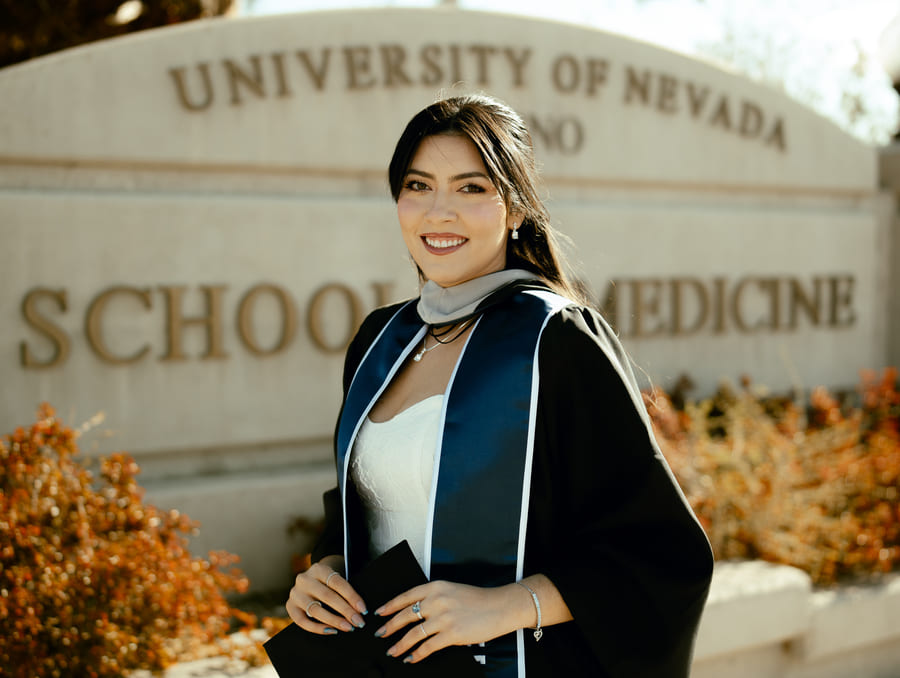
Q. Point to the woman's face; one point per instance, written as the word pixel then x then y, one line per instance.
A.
pixel 454 222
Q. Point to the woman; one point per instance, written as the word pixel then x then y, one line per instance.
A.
pixel 494 423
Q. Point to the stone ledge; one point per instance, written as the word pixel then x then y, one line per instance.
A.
pixel 248 514
pixel 765 620
pixel 751 604
pixel 853 617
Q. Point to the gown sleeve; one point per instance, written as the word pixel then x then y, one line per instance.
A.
pixel 609 525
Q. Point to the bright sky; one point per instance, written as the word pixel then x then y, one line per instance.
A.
pixel 810 46
pixel 864 19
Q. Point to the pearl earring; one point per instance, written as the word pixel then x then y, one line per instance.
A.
pixel 515 233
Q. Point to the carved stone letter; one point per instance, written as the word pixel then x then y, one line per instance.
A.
pixel 93 326
pixel 178 76
pixel 288 319
pixel 176 322
pixel 54 333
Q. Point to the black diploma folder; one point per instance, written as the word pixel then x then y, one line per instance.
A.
pixel 296 653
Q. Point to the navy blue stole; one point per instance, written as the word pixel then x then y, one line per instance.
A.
pixel 480 491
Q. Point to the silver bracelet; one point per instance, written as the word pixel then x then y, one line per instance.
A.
pixel 538 631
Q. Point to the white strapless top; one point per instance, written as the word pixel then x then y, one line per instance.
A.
pixel 392 465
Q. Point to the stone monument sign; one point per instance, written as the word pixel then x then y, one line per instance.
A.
pixel 196 218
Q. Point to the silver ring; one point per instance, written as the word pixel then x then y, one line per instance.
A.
pixel 424 632
pixel 418 610
pixel 328 579
pixel 309 607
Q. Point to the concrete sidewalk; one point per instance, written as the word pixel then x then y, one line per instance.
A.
pixel 215 667
pixel 218 667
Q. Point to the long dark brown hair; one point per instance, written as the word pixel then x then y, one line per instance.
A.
pixel 505 146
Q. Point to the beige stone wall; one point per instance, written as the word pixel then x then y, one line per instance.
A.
pixel 890 180
pixel 195 219
pixel 766 620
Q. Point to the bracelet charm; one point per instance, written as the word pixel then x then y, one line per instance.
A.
pixel 538 631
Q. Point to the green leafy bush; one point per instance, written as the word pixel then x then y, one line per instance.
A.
pixel 93 582
pixel 815 485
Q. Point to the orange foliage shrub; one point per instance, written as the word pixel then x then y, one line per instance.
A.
pixel 93 582
pixel 816 486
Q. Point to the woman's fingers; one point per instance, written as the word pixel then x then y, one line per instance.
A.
pixel 405 599
pixel 431 645
pixel 339 605
pixel 307 620
pixel 325 614
pixel 419 642
pixel 342 587
pixel 401 619
pixel 451 614
pixel 322 599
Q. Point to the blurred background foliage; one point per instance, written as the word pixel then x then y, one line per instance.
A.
pixel 30 28
pixel 809 480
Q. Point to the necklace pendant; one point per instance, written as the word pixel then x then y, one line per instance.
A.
pixel 418 356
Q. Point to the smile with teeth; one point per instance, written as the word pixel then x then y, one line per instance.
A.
pixel 443 243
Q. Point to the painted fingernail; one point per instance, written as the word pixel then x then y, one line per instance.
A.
pixel 361 606
pixel 345 626
pixel 380 610
pixel 407 659
pixel 330 630
pixel 357 621
pixel 388 653
pixel 380 632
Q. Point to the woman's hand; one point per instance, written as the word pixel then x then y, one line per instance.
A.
pixel 323 602
pixel 453 614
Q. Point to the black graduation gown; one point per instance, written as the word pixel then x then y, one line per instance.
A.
pixel 607 523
